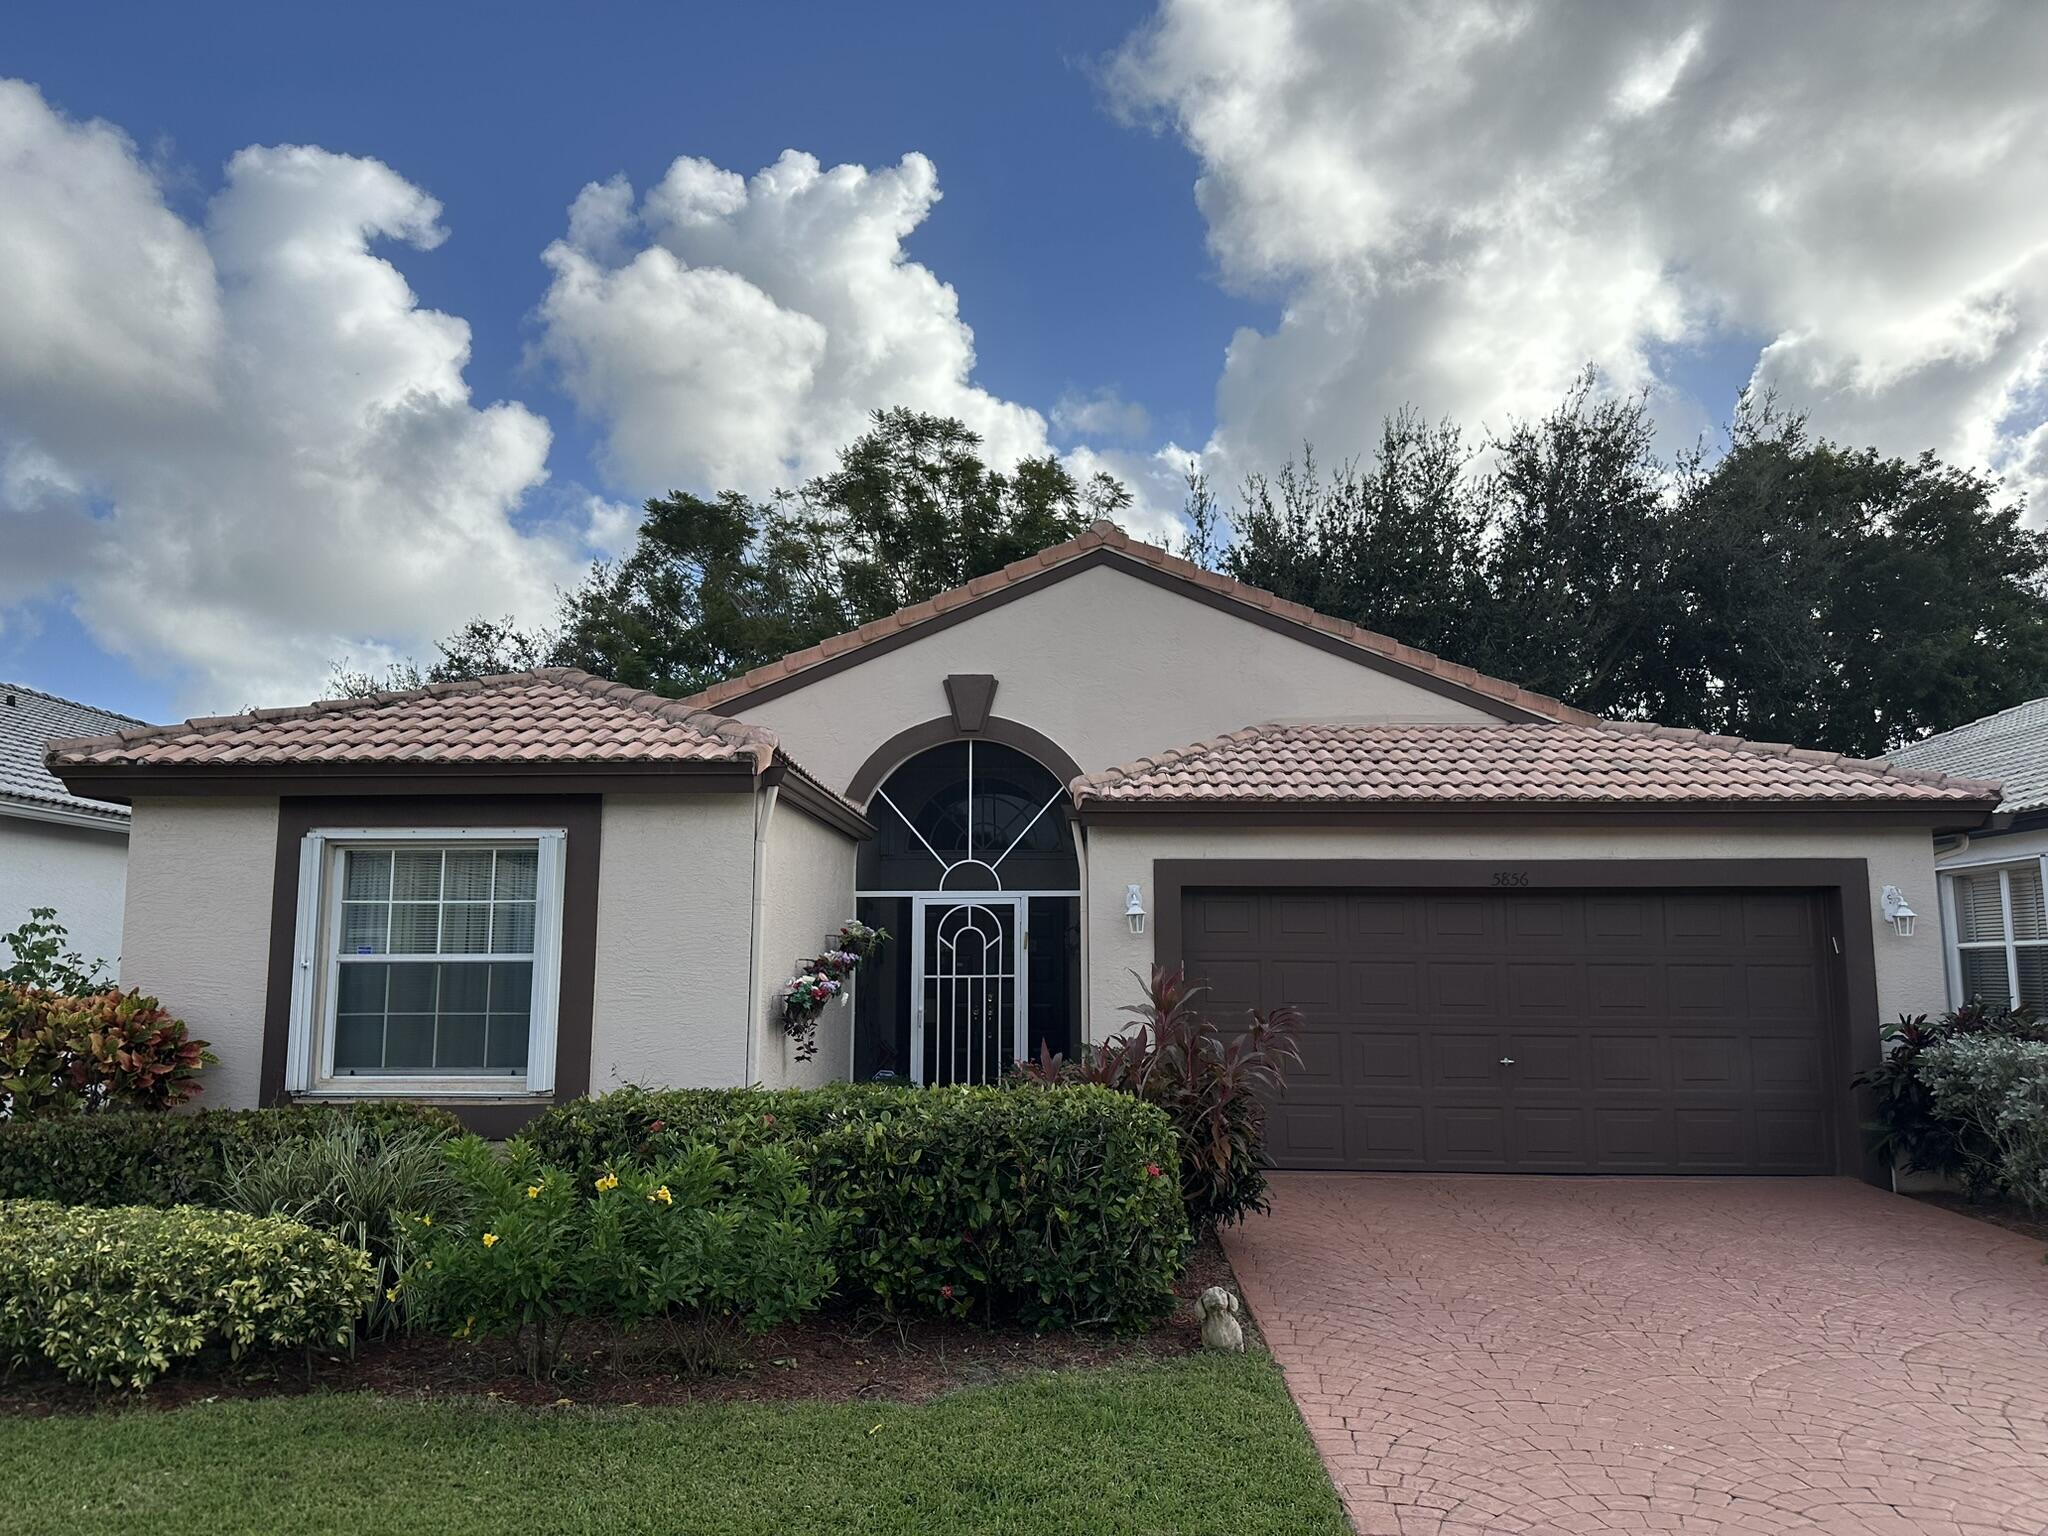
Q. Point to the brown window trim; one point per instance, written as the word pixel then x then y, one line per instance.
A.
pixel 1844 885
pixel 582 816
pixel 906 744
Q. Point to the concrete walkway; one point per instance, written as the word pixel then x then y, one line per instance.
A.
pixel 1561 1355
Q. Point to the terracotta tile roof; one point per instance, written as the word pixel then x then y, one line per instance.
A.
pixel 1607 763
pixel 554 715
pixel 1105 536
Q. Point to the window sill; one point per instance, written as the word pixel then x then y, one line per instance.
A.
pixel 436 1089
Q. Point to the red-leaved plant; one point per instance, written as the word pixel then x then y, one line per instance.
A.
pixel 1213 1086
pixel 103 1050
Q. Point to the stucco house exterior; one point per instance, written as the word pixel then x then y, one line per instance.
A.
pixel 1524 939
pixel 58 849
pixel 1993 924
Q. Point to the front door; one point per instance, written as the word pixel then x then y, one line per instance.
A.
pixel 969 997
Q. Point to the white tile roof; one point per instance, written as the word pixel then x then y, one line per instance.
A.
pixel 2010 746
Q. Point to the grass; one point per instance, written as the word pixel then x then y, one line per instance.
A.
pixel 1200 1445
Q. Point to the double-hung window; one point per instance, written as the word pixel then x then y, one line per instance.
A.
pixel 1998 935
pixel 428 961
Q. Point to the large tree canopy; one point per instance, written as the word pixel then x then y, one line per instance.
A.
pixel 1788 589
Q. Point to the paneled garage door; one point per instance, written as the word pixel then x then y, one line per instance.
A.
pixel 1623 1031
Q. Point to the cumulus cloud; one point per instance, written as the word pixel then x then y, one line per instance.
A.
pixel 1459 205
pixel 736 332
pixel 242 449
pixel 1103 413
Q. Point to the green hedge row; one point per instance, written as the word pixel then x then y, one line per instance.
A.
pixel 157 1159
pixel 1056 1206
pixel 115 1295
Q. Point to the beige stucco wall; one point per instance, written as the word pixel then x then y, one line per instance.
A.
pixel 674 930
pixel 81 871
pixel 196 927
pixel 808 885
pixel 1106 664
pixel 1909 971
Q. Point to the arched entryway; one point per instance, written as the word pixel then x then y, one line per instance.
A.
pixel 972 869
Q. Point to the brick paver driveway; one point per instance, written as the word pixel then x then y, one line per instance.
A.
pixel 1529 1354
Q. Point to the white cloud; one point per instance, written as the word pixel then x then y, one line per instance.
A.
pixel 242 450
pixel 1102 414
pixel 1460 205
pixel 736 332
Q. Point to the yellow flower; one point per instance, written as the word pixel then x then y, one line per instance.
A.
pixel 426 1221
pixel 609 1181
pixel 533 1191
pixel 391 1293
pixel 663 1196
pixel 490 1239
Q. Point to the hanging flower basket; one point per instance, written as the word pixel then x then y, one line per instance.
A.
pixel 824 977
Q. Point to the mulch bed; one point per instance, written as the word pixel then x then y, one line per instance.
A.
pixel 839 1355
pixel 2000 1213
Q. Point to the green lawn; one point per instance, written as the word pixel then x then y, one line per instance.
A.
pixel 1206 1444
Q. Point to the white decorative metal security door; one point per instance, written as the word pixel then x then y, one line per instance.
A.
pixel 969 1003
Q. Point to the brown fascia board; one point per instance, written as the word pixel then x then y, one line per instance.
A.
pixel 121 783
pixel 1935 815
pixel 804 793
pixel 885 635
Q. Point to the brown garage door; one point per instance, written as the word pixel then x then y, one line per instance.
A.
pixel 1539 1031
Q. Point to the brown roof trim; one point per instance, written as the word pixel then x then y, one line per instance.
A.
pixel 123 782
pixel 803 793
pixel 1106 544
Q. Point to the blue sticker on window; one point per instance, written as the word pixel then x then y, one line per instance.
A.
pixel 364 949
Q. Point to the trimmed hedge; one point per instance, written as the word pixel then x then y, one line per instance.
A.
pixel 1056 1206
pixel 116 1295
pixel 137 1158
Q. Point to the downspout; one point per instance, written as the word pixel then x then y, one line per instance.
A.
pixel 764 808
pixel 1087 976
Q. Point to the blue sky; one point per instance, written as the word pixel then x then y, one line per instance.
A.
pixel 1369 234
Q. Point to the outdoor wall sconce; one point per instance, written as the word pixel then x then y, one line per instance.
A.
pixel 1897 913
pixel 1134 908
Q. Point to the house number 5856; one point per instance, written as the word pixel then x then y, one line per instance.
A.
pixel 1511 877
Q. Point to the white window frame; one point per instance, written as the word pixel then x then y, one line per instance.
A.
pixel 1952 932
pixel 316 965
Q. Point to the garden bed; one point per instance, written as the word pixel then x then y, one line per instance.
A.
pixel 846 1353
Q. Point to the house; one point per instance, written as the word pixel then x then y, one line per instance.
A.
pixel 58 849
pixel 1525 939
pixel 1994 928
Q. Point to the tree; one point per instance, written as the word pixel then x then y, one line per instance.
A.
pixel 1397 547
pixel 1837 598
pixel 1577 605
pixel 715 585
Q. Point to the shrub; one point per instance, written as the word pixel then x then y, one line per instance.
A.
pixel 364 1183
pixel 1906 1127
pixel 693 1248
pixel 1055 1206
pixel 40 957
pixel 117 1295
pixel 60 1055
pixel 1212 1087
pixel 1997 1088
pixel 165 1160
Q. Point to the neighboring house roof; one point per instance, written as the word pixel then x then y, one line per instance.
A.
pixel 554 718
pixel 29 721
pixel 2010 746
pixel 1469 765
pixel 1105 543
